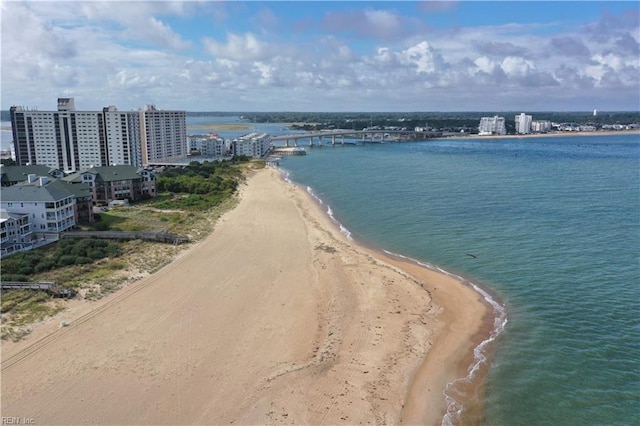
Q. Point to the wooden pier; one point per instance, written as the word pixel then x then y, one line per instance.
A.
pixel 162 237
pixel 50 287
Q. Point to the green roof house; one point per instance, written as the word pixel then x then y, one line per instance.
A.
pixel 111 183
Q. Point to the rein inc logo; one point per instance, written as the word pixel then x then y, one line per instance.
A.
pixel 17 421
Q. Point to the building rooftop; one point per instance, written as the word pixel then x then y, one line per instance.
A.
pixel 34 192
pixel 21 173
pixel 107 173
pixel 5 215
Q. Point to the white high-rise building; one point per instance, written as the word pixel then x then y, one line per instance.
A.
pixel 64 139
pixel 492 126
pixel 164 135
pixel 523 124
pixel 123 137
pixel 72 140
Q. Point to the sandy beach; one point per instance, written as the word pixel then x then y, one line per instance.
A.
pixel 275 318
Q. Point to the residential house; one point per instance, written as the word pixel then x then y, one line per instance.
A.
pixel 50 208
pixel 15 232
pixel 10 175
pixel 116 183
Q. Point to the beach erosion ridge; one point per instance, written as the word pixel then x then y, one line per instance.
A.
pixel 278 317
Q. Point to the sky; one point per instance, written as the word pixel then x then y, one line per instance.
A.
pixel 322 56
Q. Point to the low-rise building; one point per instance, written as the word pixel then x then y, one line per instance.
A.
pixel 116 183
pixel 541 126
pixel 210 146
pixel 50 208
pixel 11 175
pixel 16 232
pixel 255 145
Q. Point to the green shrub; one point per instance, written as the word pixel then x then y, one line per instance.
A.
pixel 66 252
pixel 14 277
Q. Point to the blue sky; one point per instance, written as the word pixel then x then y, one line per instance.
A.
pixel 323 56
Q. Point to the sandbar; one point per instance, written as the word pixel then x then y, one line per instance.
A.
pixel 275 318
pixel 218 127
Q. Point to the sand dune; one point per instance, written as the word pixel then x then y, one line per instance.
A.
pixel 275 318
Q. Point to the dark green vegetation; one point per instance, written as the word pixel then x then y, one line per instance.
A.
pixel 22 307
pixel 200 185
pixel 437 121
pixel 66 252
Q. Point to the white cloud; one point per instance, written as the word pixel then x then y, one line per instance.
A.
pixel 237 47
pixel 138 20
pixel 118 52
pixel 426 59
pixel 384 21
pixel 516 66
pixel 485 64
pixel 611 60
pixel 265 71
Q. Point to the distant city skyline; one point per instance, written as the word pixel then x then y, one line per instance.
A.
pixel 323 56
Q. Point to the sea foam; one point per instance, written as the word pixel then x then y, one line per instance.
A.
pixel 452 394
pixel 343 229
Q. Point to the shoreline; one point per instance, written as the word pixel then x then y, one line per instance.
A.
pixel 210 338
pixel 465 375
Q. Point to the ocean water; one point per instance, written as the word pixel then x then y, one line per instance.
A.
pixel 245 126
pixel 6 136
pixel 550 225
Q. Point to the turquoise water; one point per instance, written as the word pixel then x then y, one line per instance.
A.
pixel 554 225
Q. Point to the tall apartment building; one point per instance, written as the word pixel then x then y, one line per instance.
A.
pixel 492 126
pixel 73 140
pixel 64 139
pixel 164 135
pixel 523 124
pixel 122 129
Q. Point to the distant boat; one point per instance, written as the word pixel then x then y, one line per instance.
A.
pixel 299 151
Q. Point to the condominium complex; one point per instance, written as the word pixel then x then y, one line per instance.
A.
pixel 523 124
pixel 48 208
pixel 116 183
pixel 38 201
pixel 72 140
pixel 15 230
pixel 492 126
pixel 541 126
pixel 252 145
pixel 210 146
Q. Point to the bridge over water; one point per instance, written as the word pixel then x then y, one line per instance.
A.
pixel 338 136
